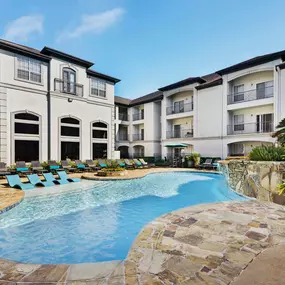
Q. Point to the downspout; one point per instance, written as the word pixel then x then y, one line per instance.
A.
pixel 49 112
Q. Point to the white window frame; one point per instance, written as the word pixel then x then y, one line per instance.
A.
pixel 238 121
pixel 30 62
pixel 237 94
pixel 98 88
pixel 98 140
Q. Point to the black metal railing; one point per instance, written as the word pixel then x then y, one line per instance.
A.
pixel 248 128
pixel 138 137
pixel 68 87
pixel 179 109
pixel 122 137
pixel 255 94
pixel 138 116
pixel 123 117
pixel 184 133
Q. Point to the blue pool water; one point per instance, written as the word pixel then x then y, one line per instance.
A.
pixel 100 224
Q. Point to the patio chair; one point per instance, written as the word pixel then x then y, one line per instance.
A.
pixel 138 163
pixel 14 181
pixel 144 163
pixel 121 163
pixel 53 166
pixel 207 163
pixel 3 169
pixel 102 163
pixel 90 163
pixel 22 168
pixel 81 166
pixel 129 164
pixel 36 181
pixel 63 176
pixel 50 178
pixel 66 166
pixel 36 167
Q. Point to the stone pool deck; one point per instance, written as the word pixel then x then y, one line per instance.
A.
pixel 236 243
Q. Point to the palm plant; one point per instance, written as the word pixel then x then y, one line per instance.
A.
pixel 280 133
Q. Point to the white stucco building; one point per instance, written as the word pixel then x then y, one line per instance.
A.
pixel 53 106
pixel 222 114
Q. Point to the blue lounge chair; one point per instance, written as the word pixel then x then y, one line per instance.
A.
pixel 102 164
pixel 138 163
pixel 121 163
pixel 21 167
pixel 50 178
pixel 53 166
pixel 35 180
pixel 81 166
pixel 63 176
pixel 15 182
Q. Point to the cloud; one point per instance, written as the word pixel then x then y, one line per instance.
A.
pixel 96 23
pixel 22 28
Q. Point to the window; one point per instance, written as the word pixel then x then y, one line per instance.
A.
pixel 29 69
pixel 99 130
pixel 264 90
pixel 70 127
pixel 69 80
pixel 238 123
pixel 98 88
pixel 179 107
pixel 264 123
pixel 239 93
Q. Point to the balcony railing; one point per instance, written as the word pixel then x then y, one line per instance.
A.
pixel 68 87
pixel 180 109
pixel 138 116
pixel 123 117
pixel 255 94
pixel 265 127
pixel 138 137
pixel 186 133
pixel 122 137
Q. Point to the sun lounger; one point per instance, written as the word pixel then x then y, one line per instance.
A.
pixel 35 180
pixel 90 163
pixel 53 166
pixel 21 167
pixel 36 167
pixel 207 163
pixel 129 164
pixel 144 163
pixel 3 169
pixel 81 166
pixel 66 166
pixel 15 182
pixel 121 163
pixel 102 163
pixel 138 163
pixel 63 176
pixel 50 178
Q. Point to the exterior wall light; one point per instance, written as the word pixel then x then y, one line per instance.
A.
pixel 69 100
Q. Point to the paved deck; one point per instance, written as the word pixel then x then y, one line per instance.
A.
pixel 223 243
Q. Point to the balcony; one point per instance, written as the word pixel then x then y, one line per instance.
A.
pixel 179 109
pixel 138 116
pixel 122 137
pixel 138 137
pixel 123 117
pixel 250 128
pixel 251 95
pixel 68 87
pixel 186 133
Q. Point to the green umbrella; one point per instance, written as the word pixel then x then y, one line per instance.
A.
pixel 177 145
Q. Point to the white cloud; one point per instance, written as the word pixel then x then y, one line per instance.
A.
pixel 96 23
pixel 22 28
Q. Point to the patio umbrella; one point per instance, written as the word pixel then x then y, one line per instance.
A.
pixel 177 145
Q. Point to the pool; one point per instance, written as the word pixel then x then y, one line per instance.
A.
pixel 100 224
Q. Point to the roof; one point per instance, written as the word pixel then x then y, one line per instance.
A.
pixel 154 96
pixel 102 76
pixel 253 62
pixel 23 50
pixel 212 79
pixel 182 83
pixel 65 56
pixel 282 65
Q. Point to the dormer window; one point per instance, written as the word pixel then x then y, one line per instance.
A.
pixel 69 80
pixel 98 88
pixel 29 69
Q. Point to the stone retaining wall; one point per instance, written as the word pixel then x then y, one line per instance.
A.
pixel 258 179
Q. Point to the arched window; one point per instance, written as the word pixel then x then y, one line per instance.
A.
pixel 99 132
pixel 70 138
pixel 69 80
pixel 26 136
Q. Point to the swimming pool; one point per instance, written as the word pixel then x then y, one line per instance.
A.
pixel 100 224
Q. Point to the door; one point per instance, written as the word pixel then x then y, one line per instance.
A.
pixel 68 80
pixel 238 93
pixel 264 123
pixel 178 107
pixel 142 134
pixel 238 123
pixel 176 131
pixel 264 90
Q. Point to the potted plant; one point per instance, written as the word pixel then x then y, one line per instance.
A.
pixel 189 162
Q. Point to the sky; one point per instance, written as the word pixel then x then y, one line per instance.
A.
pixel 149 43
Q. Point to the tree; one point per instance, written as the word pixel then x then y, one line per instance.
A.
pixel 280 133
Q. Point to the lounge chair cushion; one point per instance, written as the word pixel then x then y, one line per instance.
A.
pixel 80 166
pixel 103 164
pixel 122 164
pixel 22 169
pixel 54 167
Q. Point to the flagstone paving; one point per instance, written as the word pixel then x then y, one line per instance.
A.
pixel 222 243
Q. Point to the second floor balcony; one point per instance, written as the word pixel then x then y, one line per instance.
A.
pixel 138 137
pixel 122 137
pixel 251 95
pixel 250 128
pixel 123 117
pixel 179 108
pixel 138 116
pixel 68 87
pixel 184 133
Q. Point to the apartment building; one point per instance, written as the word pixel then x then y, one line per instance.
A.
pixel 53 106
pixel 225 113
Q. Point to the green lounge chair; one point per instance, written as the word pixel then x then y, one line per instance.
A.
pixel 35 180
pixel 50 178
pixel 138 163
pixel 15 182
pixel 102 163
pixel 21 167
pixel 121 163
pixel 63 176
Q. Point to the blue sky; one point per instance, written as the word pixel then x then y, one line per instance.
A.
pixel 149 43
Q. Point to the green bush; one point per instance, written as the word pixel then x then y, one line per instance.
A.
pixel 267 153
pixel 161 162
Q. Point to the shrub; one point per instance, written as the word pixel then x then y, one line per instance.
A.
pixel 161 162
pixel 267 153
pixel 281 187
